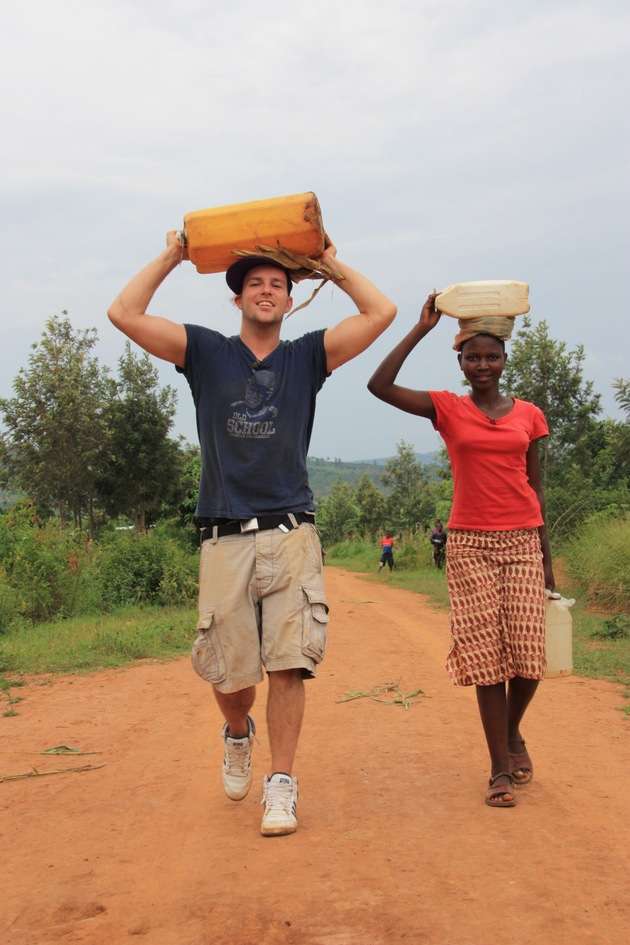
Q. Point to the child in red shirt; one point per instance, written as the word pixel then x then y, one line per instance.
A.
pixel 387 555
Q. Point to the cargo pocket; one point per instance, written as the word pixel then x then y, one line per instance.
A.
pixel 207 653
pixel 315 624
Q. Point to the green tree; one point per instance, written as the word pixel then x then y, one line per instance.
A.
pixel 338 514
pixel 191 457
pixel 370 504
pixel 55 424
pixel 144 468
pixel 412 498
pixel 620 431
pixel 543 371
pixel 584 460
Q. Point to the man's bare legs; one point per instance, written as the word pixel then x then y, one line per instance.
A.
pixel 285 712
pixel 235 707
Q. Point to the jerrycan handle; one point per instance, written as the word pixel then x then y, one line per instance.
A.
pixel 559 599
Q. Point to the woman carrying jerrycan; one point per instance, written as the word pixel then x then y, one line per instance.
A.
pixel 499 562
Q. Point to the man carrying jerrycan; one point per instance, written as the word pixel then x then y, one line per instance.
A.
pixel 262 604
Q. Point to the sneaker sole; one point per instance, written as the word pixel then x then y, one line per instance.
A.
pixel 277 831
pixel 237 797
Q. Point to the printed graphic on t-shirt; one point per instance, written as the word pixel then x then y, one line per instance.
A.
pixel 253 417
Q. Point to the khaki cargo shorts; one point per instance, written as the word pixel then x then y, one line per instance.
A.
pixel 261 604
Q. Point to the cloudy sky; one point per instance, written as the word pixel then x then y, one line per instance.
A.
pixel 446 140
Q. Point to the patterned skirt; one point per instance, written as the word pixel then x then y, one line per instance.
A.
pixel 497 593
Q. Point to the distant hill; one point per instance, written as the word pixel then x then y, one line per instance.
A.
pixel 323 473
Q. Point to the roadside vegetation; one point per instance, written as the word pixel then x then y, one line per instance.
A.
pixel 98 551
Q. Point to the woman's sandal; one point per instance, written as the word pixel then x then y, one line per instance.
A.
pixel 521 767
pixel 497 794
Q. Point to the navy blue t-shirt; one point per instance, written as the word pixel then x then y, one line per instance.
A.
pixel 254 421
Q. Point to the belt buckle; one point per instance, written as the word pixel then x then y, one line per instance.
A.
pixel 251 525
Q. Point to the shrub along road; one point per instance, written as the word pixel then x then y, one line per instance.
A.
pixel 394 845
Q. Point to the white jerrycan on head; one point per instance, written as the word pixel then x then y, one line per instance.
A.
pixel 493 297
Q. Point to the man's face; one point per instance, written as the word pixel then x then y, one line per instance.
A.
pixel 264 298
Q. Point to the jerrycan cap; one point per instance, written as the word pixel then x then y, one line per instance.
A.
pixel 559 599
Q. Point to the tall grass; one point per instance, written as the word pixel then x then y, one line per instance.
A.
pixel 597 560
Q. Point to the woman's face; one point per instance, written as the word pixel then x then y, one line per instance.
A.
pixel 482 360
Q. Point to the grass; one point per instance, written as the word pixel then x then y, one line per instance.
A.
pixel 601 639
pixel 82 644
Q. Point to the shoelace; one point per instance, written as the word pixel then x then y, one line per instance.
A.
pixel 237 759
pixel 279 797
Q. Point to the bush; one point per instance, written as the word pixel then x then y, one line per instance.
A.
pixel 408 555
pixel 42 567
pixel 142 569
pixel 48 573
pixel 9 602
pixel 598 560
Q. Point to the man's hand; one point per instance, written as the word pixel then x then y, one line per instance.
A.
pixel 330 250
pixel 176 241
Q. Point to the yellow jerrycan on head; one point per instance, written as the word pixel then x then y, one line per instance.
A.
pixel 293 223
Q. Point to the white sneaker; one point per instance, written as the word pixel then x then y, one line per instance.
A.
pixel 280 794
pixel 237 762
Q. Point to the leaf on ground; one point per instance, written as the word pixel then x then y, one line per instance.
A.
pixel 401 698
pixel 34 773
pixel 66 750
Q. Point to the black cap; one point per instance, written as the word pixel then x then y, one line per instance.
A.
pixel 235 275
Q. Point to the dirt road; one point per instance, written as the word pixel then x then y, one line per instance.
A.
pixel 394 845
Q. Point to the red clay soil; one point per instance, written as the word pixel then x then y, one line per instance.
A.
pixel 395 844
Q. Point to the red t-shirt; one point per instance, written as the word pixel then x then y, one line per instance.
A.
pixel 488 458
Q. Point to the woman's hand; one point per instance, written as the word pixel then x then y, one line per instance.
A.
pixel 429 316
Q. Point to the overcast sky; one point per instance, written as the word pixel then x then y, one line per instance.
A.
pixel 446 140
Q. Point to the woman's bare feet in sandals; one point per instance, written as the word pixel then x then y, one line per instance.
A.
pixel 521 767
pixel 500 791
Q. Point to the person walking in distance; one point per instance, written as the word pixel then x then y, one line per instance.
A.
pixel 438 540
pixel 262 603
pixel 387 551
pixel 498 562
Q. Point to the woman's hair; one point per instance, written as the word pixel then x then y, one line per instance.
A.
pixel 486 334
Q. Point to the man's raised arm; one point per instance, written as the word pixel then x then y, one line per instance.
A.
pixel 353 335
pixel 128 312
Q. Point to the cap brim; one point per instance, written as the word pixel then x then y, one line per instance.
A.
pixel 235 276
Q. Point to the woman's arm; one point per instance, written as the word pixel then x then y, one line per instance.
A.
pixel 382 385
pixel 533 474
